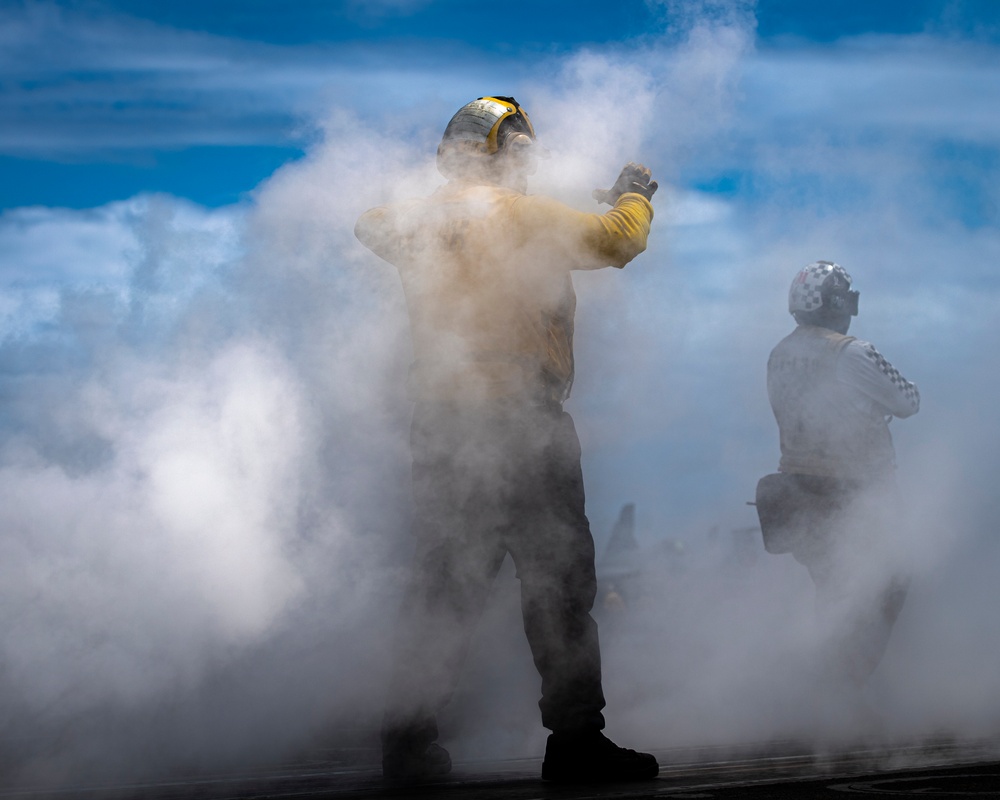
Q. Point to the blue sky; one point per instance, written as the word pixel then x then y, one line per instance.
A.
pixel 202 416
pixel 91 116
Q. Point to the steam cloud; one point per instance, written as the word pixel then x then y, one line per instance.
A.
pixel 203 465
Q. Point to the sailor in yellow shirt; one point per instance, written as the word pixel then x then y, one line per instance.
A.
pixel 485 270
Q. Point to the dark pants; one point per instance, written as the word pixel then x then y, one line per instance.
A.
pixel 847 544
pixel 486 484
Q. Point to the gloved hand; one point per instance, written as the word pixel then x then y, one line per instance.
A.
pixel 633 178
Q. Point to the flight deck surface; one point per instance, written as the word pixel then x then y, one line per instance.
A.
pixel 781 771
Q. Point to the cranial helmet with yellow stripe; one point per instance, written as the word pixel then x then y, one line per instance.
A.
pixel 482 129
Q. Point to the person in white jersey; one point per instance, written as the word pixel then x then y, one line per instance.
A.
pixel 834 504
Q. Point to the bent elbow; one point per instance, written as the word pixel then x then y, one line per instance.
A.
pixel 364 228
pixel 909 409
pixel 628 248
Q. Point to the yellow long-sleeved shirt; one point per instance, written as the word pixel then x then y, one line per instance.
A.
pixel 486 274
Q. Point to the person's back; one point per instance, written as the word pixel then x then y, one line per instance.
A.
pixel 828 424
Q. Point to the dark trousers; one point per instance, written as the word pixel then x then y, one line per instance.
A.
pixel 847 544
pixel 488 483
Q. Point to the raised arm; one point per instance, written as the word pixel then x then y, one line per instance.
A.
pixel 865 368
pixel 587 241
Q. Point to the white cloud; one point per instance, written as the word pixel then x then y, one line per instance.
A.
pixel 892 85
pixel 50 256
pixel 52 246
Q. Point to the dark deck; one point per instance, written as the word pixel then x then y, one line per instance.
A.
pixel 783 770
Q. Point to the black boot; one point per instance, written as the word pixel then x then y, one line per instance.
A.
pixel 593 758
pixel 408 759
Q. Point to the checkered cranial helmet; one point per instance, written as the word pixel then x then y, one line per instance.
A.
pixel 822 285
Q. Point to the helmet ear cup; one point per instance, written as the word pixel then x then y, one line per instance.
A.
pixel 517 143
pixel 519 152
pixel 838 298
pixel 835 300
pixel 842 302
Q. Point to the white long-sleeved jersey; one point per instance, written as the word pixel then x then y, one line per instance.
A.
pixel 833 396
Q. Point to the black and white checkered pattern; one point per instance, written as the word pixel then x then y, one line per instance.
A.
pixel 806 293
pixel 903 386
